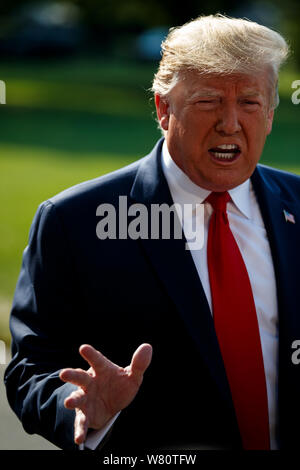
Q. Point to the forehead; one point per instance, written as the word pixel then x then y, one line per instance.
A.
pixel 194 83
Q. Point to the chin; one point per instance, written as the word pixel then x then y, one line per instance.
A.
pixel 220 186
pixel 225 184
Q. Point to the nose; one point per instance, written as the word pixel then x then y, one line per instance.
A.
pixel 228 120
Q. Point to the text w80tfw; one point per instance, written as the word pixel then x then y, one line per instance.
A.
pixel 171 459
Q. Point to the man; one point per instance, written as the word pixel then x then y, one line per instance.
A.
pixel 220 319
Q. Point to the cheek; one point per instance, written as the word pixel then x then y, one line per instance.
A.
pixel 258 130
pixel 178 131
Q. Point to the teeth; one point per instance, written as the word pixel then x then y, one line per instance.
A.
pixel 224 155
pixel 227 146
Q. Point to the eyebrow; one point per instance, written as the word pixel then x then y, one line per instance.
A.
pixel 211 92
pixel 204 92
pixel 250 93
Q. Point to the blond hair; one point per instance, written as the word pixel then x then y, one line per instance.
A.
pixel 217 44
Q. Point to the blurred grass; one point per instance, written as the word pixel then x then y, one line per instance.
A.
pixel 69 121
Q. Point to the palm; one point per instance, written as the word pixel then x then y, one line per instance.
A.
pixel 105 388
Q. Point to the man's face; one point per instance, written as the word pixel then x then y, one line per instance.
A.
pixel 217 126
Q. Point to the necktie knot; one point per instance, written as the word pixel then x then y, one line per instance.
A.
pixel 218 200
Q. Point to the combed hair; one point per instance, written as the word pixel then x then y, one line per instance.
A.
pixel 217 44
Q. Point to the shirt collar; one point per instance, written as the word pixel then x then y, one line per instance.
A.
pixel 185 191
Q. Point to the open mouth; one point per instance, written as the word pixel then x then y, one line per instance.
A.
pixel 225 153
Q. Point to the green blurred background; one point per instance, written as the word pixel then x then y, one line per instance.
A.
pixel 78 106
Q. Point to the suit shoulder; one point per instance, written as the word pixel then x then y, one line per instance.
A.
pixel 286 181
pixel 279 175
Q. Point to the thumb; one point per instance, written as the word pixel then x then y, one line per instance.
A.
pixel 141 359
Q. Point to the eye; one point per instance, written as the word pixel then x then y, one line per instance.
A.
pixel 250 105
pixel 207 102
pixel 250 102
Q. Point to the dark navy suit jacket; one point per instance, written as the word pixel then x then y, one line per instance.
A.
pixel 116 294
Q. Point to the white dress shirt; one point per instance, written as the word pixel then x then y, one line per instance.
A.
pixel 249 231
pixel 248 228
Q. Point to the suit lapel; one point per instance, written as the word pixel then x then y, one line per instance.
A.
pixel 175 267
pixel 284 236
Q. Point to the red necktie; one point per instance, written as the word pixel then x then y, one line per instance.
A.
pixel 236 327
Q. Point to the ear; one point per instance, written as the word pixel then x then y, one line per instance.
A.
pixel 162 110
pixel 270 117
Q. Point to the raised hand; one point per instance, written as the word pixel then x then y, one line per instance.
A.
pixel 104 389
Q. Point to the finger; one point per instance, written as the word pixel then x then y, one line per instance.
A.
pixel 76 376
pixel 141 360
pixel 95 359
pixel 80 427
pixel 75 400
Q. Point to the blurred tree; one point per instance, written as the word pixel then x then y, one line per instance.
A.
pixel 138 14
pixel 109 19
pixel 290 25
